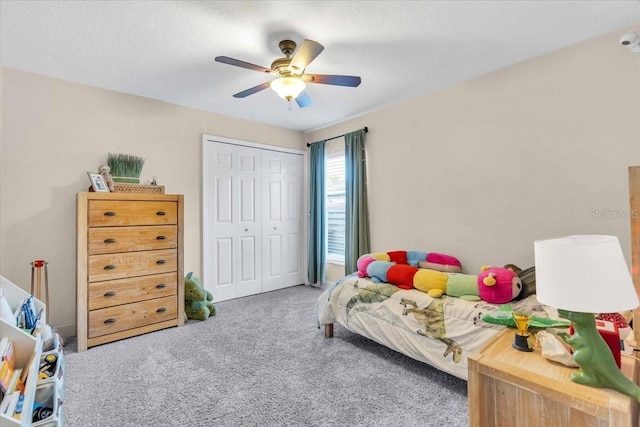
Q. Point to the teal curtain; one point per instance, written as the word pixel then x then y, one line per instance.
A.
pixel 317 208
pixel 356 210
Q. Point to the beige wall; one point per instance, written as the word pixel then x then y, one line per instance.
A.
pixel 54 131
pixel 479 170
pixel 482 169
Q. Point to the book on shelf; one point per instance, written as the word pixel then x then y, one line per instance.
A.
pixel 25 371
pixel 7 367
pixel 17 414
pixel 13 402
pixel 4 342
pixel 8 353
pixel 16 383
pixel 28 317
pixel 4 404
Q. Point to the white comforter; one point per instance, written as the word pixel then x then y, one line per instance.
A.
pixel 442 332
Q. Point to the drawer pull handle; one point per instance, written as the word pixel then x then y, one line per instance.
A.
pixel 161 286
pixel 110 294
pixel 160 238
pixel 109 240
pixel 109 321
pixel 109 213
pixel 161 213
pixel 161 261
pixel 161 310
pixel 110 267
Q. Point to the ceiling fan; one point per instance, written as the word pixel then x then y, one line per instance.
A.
pixel 290 72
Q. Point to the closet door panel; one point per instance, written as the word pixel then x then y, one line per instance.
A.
pixel 224 262
pixel 293 261
pixel 232 240
pixel 282 184
pixel 274 254
pixel 224 200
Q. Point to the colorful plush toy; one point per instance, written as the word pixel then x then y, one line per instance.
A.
pixel 498 285
pixel 494 284
pixel 433 260
pixel 197 300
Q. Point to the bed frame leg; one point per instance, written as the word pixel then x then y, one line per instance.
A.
pixel 328 330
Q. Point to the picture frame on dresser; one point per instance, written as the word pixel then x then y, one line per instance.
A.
pixel 97 183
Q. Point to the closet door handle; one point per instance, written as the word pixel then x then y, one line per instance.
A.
pixel 110 267
pixel 160 238
pixel 110 321
pixel 109 240
pixel 161 213
pixel 110 294
pixel 161 286
pixel 161 261
pixel 109 213
pixel 161 310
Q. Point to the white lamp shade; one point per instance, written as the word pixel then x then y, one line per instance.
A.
pixel 288 87
pixel 586 274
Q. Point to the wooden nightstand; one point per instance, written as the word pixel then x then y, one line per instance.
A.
pixel 510 388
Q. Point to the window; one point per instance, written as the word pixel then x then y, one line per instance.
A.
pixel 336 190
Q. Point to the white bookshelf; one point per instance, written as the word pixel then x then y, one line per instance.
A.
pixel 28 349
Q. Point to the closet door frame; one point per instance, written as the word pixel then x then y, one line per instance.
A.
pixel 207 233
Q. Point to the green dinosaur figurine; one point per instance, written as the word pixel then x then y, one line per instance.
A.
pixel 597 366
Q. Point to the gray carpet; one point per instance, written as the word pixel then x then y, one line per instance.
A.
pixel 260 362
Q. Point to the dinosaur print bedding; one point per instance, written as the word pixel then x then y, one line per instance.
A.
pixel 442 331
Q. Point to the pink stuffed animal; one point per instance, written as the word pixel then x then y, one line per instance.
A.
pixel 498 285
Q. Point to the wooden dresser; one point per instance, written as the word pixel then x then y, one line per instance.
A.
pixel 130 274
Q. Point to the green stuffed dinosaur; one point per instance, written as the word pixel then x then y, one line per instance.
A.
pixel 197 300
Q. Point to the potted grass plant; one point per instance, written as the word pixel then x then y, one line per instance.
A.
pixel 125 167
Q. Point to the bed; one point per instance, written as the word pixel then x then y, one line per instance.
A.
pixel 441 332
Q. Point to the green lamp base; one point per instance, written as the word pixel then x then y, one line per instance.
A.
pixel 597 366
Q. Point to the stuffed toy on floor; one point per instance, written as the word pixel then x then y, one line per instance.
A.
pixel 197 300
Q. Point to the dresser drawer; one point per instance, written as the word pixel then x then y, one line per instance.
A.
pixel 108 213
pixel 122 317
pixel 107 240
pixel 124 291
pixel 132 264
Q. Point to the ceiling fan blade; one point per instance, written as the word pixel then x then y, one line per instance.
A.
pixel 304 100
pixel 238 63
pixel 252 90
pixel 307 52
pixel 328 79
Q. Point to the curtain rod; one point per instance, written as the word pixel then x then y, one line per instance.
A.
pixel 366 129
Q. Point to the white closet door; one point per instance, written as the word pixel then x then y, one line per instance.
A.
pixel 232 240
pixel 282 224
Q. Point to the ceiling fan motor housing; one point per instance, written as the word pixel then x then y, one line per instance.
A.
pixel 287 47
pixel 281 66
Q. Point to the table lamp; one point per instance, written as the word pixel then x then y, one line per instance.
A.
pixel 580 276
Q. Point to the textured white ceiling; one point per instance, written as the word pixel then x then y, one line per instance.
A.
pixel 165 49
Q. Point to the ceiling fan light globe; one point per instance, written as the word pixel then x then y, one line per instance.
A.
pixel 288 87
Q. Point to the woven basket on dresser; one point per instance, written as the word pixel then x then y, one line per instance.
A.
pixel 120 187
